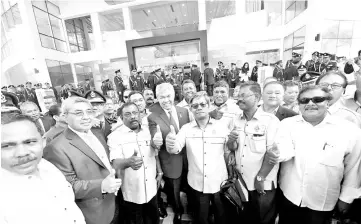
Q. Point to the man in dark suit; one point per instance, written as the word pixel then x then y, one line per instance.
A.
pixel 82 155
pixel 87 86
pixel 196 77
pixel 233 76
pixel 209 78
pixel 278 71
pixel 30 94
pixel 164 114
pixel 272 97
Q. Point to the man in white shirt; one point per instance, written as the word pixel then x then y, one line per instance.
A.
pixel 223 108
pixel 320 155
pixel 82 154
pixel 337 83
pixel 207 153
pixel 32 189
pixel 252 136
pixel 31 109
pixel 188 91
pixel 353 102
pixel 133 156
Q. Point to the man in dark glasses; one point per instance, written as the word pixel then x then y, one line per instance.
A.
pixel 320 155
pixel 336 83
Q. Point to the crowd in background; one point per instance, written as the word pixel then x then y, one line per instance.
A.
pixel 295 143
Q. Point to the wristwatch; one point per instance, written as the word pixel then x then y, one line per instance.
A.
pixel 160 173
pixel 259 178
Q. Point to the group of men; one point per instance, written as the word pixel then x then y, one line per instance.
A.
pixel 298 151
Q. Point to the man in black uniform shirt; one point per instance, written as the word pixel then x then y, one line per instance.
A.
pixel 187 72
pixel 278 71
pixel 209 78
pixel 233 76
pixel 155 79
pixel 291 71
pixel 30 94
pixel 87 86
pixel 178 79
pixel 119 86
pixel 327 64
pixel 313 65
pixel 220 72
pixel 136 82
pixel 196 77
pixel 254 74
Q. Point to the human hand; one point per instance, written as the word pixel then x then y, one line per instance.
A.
pixel 233 136
pixel 158 139
pixel 159 180
pixel 111 184
pixel 273 154
pixel 343 207
pixel 170 140
pixel 259 186
pixel 135 162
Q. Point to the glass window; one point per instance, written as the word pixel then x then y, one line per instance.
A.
pixel 74 48
pixel 60 73
pixel 76 35
pixel 50 25
pixel 331 29
pixel 47 42
pixel 294 42
pixel 300 7
pixel 294 8
pixel 53 9
pixel 57 27
pixel 290 12
pixel 357 30
pixel 345 30
pixel 329 45
pixel 10 14
pixel 343 47
pixel 299 36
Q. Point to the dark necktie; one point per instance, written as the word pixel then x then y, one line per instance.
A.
pixel 172 121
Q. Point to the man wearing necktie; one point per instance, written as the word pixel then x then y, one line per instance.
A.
pixel 164 114
pixel 82 155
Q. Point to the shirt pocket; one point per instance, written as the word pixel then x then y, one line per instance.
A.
pixel 258 144
pixel 331 155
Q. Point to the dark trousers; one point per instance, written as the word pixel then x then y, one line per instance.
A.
pixel 232 84
pixel 210 90
pixel 202 204
pixel 261 209
pixel 291 213
pixel 172 189
pixel 142 213
pixel 198 88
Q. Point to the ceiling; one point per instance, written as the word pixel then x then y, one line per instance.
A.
pixel 111 20
pixel 115 2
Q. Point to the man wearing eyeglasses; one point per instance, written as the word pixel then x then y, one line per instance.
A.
pixel 336 82
pixel 252 136
pixel 207 153
pixel 81 153
pixel 320 155
pixel 133 156
pixel 222 107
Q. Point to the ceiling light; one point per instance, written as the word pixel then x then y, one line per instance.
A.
pixel 148 10
pixel 185 14
pixel 183 4
pixel 155 20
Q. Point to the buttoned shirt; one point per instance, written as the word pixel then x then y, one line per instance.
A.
pixel 351 103
pixel 230 111
pixel 256 136
pixel 316 160
pixel 261 108
pixel 138 186
pixel 42 198
pixel 93 142
pixel 205 152
pixel 337 109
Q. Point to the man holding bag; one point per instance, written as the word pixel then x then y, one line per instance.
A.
pixel 252 136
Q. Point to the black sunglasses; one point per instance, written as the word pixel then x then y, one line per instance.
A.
pixel 316 99
pixel 196 106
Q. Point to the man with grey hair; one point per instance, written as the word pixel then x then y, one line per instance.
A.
pixel 82 155
pixel 30 109
pixel 164 116
pixel 321 169
pixel 207 153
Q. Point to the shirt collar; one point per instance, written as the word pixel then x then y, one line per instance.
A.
pixel 195 124
pixel 172 110
pixel 273 112
pixel 335 107
pixel 125 129
pixel 327 120
pixel 256 115
pixel 78 132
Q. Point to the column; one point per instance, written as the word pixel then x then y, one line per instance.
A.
pixel 127 19
pixel 202 16
pixel 72 65
pixel 98 37
pixel 240 7
pixel 86 33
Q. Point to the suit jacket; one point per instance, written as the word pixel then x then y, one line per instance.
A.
pixel 196 77
pixel 48 122
pixel 85 171
pixel 209 76
pixel 154 80
pixel 172 164
pixel 284 112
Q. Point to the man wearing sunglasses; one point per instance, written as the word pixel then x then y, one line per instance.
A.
pixel 336 83
pixel 252 136
pixel 81 153
pixel 320 155
pixel 207 153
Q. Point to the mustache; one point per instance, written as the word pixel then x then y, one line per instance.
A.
pixel 24 160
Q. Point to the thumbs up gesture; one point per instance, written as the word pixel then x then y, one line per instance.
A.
pixel 272 154
pixel 170 140
pixel 135 162
pixel 158 139
pixel 111 184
